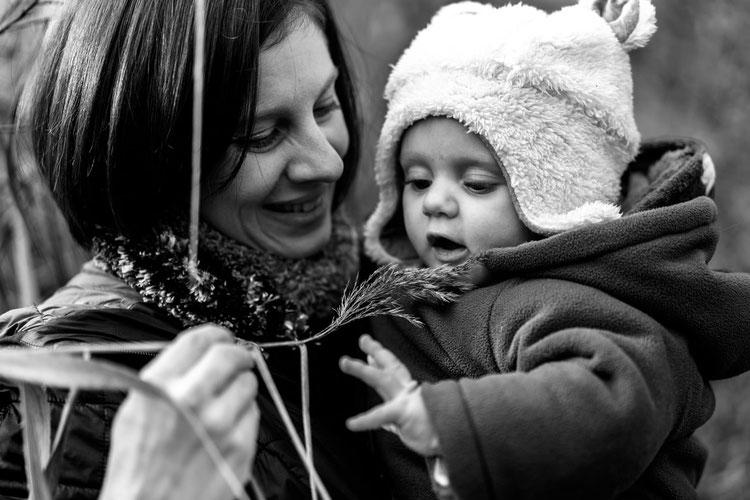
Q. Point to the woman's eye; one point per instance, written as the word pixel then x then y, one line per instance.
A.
pixel 260 143
pixel 418 184
pixel 322 111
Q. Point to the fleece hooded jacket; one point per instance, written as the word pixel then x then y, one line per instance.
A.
pixel 581 370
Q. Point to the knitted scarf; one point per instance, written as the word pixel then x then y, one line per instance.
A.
pixel 258 295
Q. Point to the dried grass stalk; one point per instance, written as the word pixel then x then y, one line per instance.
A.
pixel 36 439
pixel 265 374
pixel 387 292
pixel 54 465
pixel 197 138
pixel 304 360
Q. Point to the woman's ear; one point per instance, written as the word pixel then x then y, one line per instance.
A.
pixel 632 21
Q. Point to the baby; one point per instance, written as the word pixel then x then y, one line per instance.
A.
pixel 581 371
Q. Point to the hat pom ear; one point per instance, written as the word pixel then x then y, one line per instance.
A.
pixel 632 21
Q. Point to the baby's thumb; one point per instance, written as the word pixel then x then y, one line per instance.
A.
pixel 383 415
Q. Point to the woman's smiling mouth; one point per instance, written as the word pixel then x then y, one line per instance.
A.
pixel 295 208
pixel 302 212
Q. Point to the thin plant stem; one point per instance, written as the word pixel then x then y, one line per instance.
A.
pixel 306 427
pixel 257 491
pixel 300 342
pixel 198 83
pixel 64 418
pixel 53 465
pixel 265 374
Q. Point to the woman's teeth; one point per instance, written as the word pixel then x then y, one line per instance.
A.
pixel 295 208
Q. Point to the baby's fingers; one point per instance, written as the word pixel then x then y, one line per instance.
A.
pixel 385 382
pixel 371 376
pixel 377 354
pixel 382 415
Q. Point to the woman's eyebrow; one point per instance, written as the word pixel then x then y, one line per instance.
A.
pixel 330 81
pixel 263 113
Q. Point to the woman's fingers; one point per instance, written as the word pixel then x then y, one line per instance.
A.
pixel 232 420
pixel 206 373
pixel 153 447
pixel 184 351
pixel 211 374
pixel 245 435
pixel 218 387
pixel 228 408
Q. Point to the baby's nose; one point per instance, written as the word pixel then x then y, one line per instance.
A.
pixel 440 200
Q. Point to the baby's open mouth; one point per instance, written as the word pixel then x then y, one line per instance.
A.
pixel 443 243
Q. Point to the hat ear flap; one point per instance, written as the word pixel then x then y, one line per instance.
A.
pixel 632 21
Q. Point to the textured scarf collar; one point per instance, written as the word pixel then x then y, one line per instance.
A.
pixel 258 295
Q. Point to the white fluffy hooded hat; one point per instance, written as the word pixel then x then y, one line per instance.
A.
pixel 549 94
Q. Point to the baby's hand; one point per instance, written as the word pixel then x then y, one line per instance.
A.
pixel 403 410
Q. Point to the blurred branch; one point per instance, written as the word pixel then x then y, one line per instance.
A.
pixel 18 14
pixel 26 282
pixel 25 24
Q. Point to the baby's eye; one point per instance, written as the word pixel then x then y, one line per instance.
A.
pixel 418 184
pixel 478 181
pixel 481 187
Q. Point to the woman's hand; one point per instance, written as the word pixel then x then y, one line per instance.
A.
pixel 403 410
pixel 154 453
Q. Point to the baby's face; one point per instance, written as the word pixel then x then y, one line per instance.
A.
pixel 455 199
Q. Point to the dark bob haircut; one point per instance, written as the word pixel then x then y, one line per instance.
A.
pixel 107 112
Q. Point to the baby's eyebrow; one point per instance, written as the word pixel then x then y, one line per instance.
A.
pixel 484 165
pixel 412 158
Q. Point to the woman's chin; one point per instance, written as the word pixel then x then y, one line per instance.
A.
pixel 299 246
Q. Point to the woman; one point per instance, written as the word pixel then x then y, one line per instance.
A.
pixel 109 117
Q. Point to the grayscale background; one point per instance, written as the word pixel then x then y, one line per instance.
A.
pixel 693 79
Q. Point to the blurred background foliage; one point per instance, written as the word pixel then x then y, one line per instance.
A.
pixel 693 79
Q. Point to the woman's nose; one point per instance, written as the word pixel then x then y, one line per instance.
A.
pixel 439 200
pixel 319 158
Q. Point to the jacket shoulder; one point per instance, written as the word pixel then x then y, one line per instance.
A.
pixel 93 307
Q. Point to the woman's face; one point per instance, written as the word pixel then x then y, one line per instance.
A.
pixel 281 199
